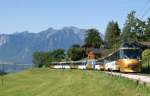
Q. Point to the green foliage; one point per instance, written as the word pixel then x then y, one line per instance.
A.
pixel 76 53
pixel 129 31
pixel 146 61
pixel 146 36
pixel 147 27
pixel 59 54
pixel 92 37
pixel 112 34
pixel 41 59
pixel 75 46
pixel 135 29
pixel 146 54
pixel 38 59
pixel 139 28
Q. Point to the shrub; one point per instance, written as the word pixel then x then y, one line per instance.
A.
pixel 146 54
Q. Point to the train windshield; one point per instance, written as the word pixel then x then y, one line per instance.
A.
pixel 132 54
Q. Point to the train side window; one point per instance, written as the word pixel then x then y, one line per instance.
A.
pixel 113 57
pixel 121 54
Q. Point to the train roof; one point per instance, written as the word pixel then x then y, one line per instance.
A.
pixel 68 62
pixel 121 48
pixel 127 48
pixel 130 45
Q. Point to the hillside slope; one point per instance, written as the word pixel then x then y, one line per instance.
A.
pixel 51 82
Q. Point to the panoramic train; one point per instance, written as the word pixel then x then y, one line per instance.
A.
pixel 69 65
pixel 85 64
pixel 124 59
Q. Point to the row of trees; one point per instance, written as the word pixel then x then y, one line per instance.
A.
pixel 93 38
pixel 41 59
pixel 112 34
pixel 75 52
pixel 134 30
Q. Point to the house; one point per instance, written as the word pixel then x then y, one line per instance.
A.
pixel 92 52
pixel 145 45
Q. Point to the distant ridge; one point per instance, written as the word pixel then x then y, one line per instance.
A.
pixel 18 47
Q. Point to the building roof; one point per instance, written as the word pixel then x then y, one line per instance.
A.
pixel 145 44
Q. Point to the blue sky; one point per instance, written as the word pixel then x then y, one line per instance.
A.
pixel 38 15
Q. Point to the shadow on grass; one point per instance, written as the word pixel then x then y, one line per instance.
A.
pixel 146 70
pixel 2 73
pixel 146 66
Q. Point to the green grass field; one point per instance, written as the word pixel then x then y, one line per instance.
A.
pixel 52 82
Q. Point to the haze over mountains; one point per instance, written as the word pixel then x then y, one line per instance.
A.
pixel 18 47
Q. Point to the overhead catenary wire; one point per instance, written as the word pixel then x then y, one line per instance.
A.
pixel 145 5
pixel 145 13
pixel 144 9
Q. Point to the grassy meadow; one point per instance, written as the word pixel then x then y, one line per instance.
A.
pixel 55 82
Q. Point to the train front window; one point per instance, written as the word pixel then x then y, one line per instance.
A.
pixel 132 54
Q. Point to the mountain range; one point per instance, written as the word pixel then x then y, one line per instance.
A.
pixel 18 47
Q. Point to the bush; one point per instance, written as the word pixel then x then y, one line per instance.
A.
pixel 146 61
pixel 41 59
pixel 146 54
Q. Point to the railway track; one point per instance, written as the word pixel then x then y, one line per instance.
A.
pixel 139 77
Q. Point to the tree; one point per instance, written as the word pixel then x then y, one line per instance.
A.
pixel 146 36
pixel 59 54
pixel 76 46
pixel 112 34
pixel 92 37
pixel 147 27
pixel 139 28
pixel 38 59
pixel 76 53
pixel 41 59
pixel 133 29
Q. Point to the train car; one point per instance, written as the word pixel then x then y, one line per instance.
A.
pixel 111 66
pixel 91 64
pixel 82 65
pixel 68 65
pixel 60 65
pixel 109 62
pixel 125 59
pixel 78 64
pixel 74 65
pixel 99 65
pixel 56 65
pixel 129 60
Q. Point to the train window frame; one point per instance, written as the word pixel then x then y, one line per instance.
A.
pixel 122 54
pixel 114 56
